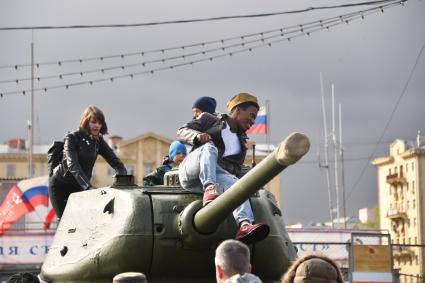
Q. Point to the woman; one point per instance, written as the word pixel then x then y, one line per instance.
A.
pixel 313 268
pixel 80 151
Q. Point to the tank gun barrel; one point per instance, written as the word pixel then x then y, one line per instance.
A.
pixel 288 152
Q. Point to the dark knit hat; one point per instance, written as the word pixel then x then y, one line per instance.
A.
pixel 206 104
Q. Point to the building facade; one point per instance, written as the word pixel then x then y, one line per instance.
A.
pixel 140 155
pixel 401 185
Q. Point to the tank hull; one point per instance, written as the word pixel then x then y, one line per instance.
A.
pixel 108 231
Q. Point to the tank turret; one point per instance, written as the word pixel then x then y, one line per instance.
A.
pixel 164 232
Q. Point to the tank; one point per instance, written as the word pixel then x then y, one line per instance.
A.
pixel 164 232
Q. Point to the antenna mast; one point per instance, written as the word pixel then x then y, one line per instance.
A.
pixel 335 153
pixel 341 152
pixel 326 165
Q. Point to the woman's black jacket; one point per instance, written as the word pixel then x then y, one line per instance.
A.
pixel 79 155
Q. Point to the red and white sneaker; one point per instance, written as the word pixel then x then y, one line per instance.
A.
pixel 210 194
pixel 250 233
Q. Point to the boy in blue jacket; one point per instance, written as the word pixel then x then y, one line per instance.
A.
pixel 176 154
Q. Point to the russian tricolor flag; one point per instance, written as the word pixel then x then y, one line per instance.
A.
pixel 260 124
pixel 22 199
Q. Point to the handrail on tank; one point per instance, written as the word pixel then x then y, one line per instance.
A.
pixel 288 152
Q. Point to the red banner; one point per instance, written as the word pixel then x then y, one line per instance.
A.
pixel 13 208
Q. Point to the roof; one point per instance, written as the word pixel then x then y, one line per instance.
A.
pixel 37 149
pixel 145 136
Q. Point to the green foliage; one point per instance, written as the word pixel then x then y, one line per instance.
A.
pixel 373 223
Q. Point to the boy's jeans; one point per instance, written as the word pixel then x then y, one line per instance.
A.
pixel 200 168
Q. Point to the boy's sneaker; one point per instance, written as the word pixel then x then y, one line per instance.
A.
pixel 250 233
pixel 210 194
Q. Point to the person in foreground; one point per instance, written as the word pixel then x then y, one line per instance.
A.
pixel 313 268
pixel 80 152
pixel 232 263
pixel 217 156
pixel 176 154
pixel 23 277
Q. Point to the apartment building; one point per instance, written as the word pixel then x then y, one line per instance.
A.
pixel 401 185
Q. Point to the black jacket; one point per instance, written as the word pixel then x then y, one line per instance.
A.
pixel 79 155
pixel 213 125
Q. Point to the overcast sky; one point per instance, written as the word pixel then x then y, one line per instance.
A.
pixel 369 61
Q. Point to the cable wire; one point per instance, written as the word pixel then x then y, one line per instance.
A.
pixel 198 20
pixel 163 50
pixel 388 123
pixel 304 28
pixel 302 32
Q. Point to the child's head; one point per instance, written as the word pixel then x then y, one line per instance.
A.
pixel 203 104
pixel 177 152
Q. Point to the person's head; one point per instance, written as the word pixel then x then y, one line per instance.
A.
pixel 313 268
pixel 203 104
pixel 231 257
pixel 243 109
pixel 92 122
pixel 177 152
pixel 23 277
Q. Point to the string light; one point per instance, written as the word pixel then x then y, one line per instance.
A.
pixel 308 29
pixel 291 30
pixel 163 50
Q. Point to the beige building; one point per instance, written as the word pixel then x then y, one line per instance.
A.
pixel 140 155
pixel 14 160
pixel 401 185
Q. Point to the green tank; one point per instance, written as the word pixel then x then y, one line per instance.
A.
pixel 164 232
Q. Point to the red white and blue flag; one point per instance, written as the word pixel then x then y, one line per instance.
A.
pixel 22 199
pixel 260 124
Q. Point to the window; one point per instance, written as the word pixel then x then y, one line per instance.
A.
pixel 93 174
pixel 413 187
pixel 110 171
pixel 413 204
pixel 407 205
pixel 389 171
pixel 11 170
pixel 413 166
pixel 130 169
pixel 407 167
pixel 148 167
pixel 414 222
pixel 407 187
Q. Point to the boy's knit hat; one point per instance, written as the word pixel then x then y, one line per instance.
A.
pixel 176 147
pixel 206 104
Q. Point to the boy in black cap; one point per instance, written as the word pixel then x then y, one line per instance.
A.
pixel 215 162
pixel 203 104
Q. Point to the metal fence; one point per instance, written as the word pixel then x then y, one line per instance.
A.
pixel 407 260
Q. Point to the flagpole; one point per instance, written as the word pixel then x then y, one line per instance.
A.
pixel 268 118
pixel 31 121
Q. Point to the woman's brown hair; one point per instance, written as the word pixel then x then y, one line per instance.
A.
pixel 95 113
pixel 289 276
